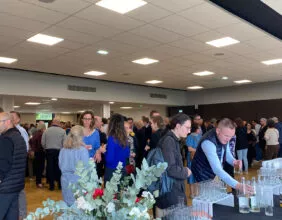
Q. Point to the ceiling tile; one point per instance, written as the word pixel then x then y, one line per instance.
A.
pixel 242 31
pixel 180 25
pixel 7 42
pixel 148 13
pixel 72 35
pixel 135 40
pixel 207 36
pixel 109 18
pixel 64 6
pixel 210 16
pixel 156 33
pixel 117 46
pixel 265 43
pixel 21 23
pixel 15 32
pixel 176 5
pixel 191 45
pixel 242 49
pixel 31 11
pixel 29 50
pixel 88 27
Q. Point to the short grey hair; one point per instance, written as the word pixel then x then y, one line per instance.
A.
pixel 275 119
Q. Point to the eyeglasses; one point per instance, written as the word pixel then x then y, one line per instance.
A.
pixel 3 120
pixel 87 119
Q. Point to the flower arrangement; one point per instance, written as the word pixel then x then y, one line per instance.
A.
pixel 118 200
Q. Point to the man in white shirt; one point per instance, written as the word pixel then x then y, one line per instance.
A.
pixel 22 196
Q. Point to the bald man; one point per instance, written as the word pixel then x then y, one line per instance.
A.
pixel 52 141
pixel 12 167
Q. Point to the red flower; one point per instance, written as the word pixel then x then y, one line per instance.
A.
pixel 129 169
pixel 98 193
pixel 137 200
pixel 115 196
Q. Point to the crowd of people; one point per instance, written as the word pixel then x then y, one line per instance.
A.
pixel 194 150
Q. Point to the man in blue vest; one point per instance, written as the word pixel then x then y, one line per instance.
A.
pixel 213 151
pixel 12 167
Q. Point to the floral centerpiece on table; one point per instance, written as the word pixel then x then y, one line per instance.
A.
pixel 118 200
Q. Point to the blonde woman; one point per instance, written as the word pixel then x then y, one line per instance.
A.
pixel 74 150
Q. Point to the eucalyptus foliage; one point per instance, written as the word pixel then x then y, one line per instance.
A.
pixel 117 201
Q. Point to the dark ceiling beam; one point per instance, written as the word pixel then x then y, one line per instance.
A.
pixel 255 12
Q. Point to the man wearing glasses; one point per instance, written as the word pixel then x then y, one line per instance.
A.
pixel 12 167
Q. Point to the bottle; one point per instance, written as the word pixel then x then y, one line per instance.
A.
pixel 253 199
pixel 244 205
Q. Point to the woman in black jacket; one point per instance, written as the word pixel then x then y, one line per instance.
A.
pixel 242 143
pixel 180 126
pixel 158 126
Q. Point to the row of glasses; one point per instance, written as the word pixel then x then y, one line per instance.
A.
pixel 210 190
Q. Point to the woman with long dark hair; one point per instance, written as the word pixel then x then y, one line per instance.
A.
pixel 117 148
pixel 180 126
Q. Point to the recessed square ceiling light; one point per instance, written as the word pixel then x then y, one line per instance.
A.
pixel 145 61
pixel 81 111
pixel 102 52
pixel 65 112
pixel 204 73
pixel 154 81
pixel 126 107
pixel 7 60
pixel 54 99
pixel 226 41
pixel 111 103
pixel 195 87
pixel 242 81
pixel 17 106
pixel 45 39
pixel 272 62
pixel 32 103
pixel 95 73
pixel 224 78
pixel 121 6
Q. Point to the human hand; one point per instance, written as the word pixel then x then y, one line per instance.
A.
pixel 189 171
pixel 133 154
pixel 88 147
pixel 97 157
pixel 147 148
pixel 103 148
pixel 238 164
pixel 244 188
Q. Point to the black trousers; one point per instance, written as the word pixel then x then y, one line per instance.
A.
pixel 9 206
pixel 100 167
pixel 39 162
pixel 54 173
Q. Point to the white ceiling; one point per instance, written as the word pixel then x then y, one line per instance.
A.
pixel 172 31
pixel 69 105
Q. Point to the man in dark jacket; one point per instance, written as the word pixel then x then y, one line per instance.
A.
pixel 12 167
pixel 213 151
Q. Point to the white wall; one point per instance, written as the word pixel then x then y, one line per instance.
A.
pixel 251 92
pixel 137 113
pixel 26 83
pixel 31 117
pixel 28 118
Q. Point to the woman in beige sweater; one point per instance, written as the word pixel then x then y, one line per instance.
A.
pixel 272 144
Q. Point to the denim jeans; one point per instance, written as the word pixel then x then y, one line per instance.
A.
pixel 242 155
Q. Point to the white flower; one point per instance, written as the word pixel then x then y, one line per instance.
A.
pixel 147 195
pixel 135 212
pixel 82 204
pixel 110 207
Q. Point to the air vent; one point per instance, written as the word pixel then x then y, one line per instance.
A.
pixel 158 96
pixel 81 88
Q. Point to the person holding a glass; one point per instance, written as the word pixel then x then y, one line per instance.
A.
pixel 213 151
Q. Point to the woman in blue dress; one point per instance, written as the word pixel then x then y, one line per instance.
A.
pixel 74 150
pixel 192 143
